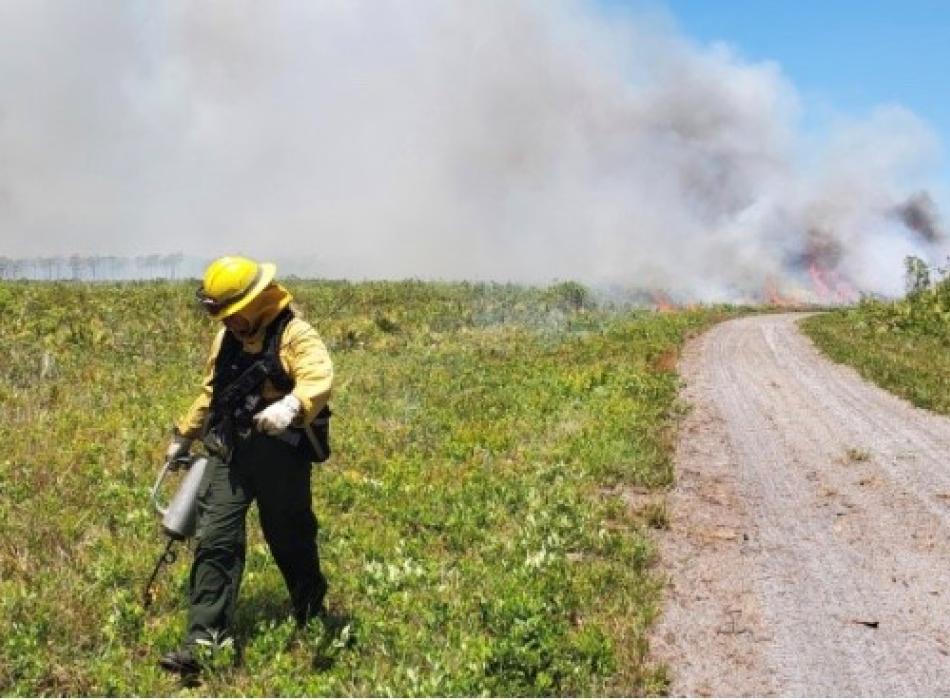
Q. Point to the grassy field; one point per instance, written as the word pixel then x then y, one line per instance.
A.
pixel 471 521
pixel 902 346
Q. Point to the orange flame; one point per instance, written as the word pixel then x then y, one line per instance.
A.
pixel 774 297
pixel 663 303
pixel 820 283
pixel 830 286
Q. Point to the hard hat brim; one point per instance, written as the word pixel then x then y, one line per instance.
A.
pixel 267 272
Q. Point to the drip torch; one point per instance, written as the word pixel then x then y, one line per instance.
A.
pixel 180 516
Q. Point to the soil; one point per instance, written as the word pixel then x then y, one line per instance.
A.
pixel 808 548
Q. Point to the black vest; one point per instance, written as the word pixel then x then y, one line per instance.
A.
pixel 232 361
pixel 236 388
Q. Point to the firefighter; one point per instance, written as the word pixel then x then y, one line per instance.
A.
pixel 263 417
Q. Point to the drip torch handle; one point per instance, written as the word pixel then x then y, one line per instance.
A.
pixel 159 508
pixel 172 465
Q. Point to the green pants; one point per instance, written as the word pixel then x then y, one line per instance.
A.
pixel 278 477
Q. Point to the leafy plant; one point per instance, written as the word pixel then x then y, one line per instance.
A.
pixel 916 275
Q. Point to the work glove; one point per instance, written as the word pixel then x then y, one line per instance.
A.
pixel 177 448
pixel 277 417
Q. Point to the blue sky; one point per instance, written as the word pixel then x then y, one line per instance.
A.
pixel 845 56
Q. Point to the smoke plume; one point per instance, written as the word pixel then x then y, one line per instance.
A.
pixel 526 140
pixel 919 214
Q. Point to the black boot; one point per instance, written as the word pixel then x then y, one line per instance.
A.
pixel 312 610
pixel 308 602
pixel 181 661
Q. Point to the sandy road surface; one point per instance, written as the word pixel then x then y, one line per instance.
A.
pixel 809 547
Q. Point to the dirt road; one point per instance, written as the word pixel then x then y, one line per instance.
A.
pixel 809 546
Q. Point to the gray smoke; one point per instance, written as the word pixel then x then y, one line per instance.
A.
pixel 919 214
pixel 524 140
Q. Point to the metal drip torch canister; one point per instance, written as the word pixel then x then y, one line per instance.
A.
pixel 180 516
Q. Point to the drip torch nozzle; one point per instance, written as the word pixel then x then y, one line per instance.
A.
pixel 167 557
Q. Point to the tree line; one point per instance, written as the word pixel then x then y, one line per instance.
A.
pixel 919 276
pixel 92 267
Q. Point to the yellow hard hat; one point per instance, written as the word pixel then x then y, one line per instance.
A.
pixel 231 283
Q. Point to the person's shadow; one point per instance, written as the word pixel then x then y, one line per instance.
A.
pixel 338 634
pixel 329 633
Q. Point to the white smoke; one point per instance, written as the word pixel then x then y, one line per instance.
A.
pixel 523 140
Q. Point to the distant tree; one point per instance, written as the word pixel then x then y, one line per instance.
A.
pixel 113 264
pixel 916 275
pixel 149 264
pixel 94 263
pixel 50 264
pixel 155 263
pixel 172 263
pixel 943 273
pixel 75 266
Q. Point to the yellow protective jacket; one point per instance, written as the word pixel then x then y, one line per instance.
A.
pixel 302 354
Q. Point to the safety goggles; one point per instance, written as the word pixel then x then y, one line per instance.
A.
pixel 214 306
pixel 210 304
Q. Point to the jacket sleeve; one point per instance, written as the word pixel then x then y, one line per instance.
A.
pixel 191 425
pixel 308 363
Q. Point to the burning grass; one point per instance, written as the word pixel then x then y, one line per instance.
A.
pixel 465 528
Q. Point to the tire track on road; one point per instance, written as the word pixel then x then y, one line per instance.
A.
pixel 808 549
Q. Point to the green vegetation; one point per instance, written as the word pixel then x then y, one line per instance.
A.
pixel 903 346
pixel 472 529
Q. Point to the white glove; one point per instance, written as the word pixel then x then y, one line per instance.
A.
pixel 178 447
pixel 277 417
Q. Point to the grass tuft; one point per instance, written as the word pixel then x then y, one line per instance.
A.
pixel 856 454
